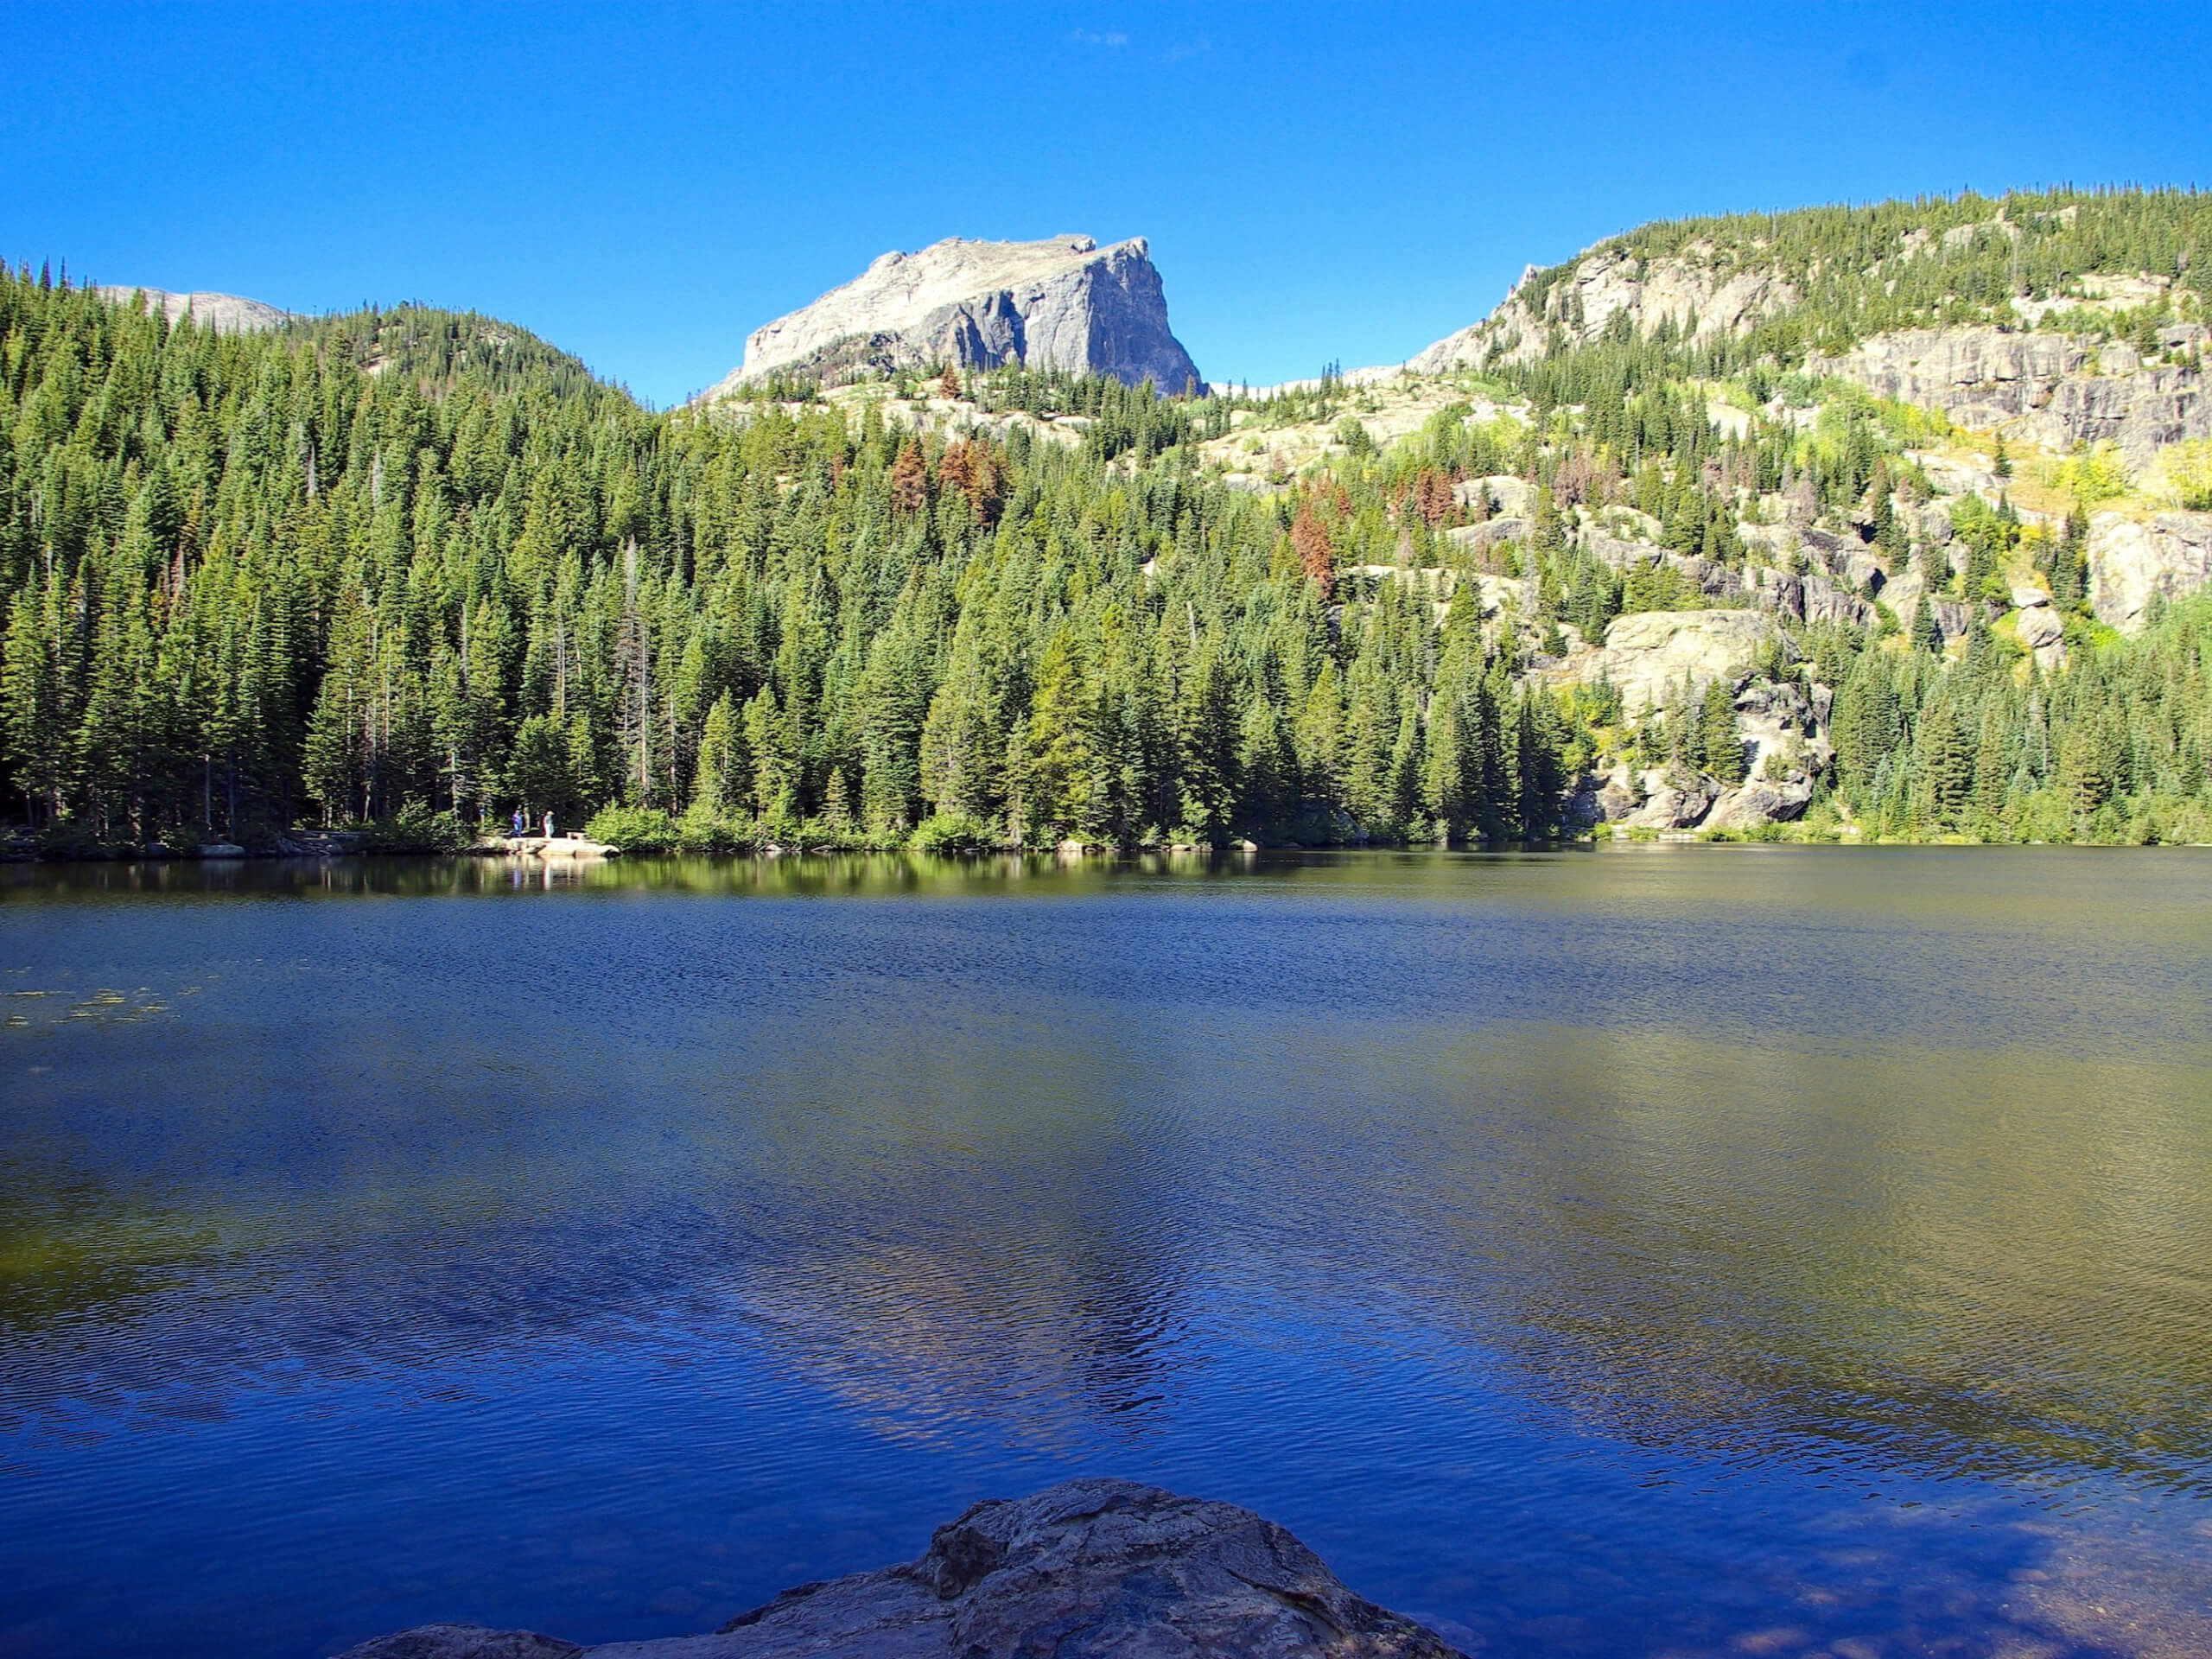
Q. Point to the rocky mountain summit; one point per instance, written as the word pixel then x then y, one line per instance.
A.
pixel 1061 303
pixel 227 314
pixel 1086 1568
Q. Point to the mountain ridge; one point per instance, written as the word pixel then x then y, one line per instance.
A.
pixel 225 313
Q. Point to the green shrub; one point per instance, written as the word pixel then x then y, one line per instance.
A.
pixel 704 829
pixel 949 832
pixel 634 828
pixel 69 839
pixel 415 829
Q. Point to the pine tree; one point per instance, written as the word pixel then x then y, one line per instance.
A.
pixel 1722 744
pixel 719 781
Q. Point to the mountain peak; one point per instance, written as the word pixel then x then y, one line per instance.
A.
pixel 1060 302
pixel 227 314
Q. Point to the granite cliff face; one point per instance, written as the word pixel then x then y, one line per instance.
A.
pixel 2058 391
pixel 1085 1567
pixel 2054 390
pixel 227 314
pixel 1701 298
pixel 1062 303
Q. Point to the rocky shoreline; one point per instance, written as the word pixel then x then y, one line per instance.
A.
pixel 1087 1567
pixel 23 847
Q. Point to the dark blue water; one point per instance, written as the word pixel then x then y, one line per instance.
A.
pixel 1651 1251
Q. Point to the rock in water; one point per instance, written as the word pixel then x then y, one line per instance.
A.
pixel 1088 1568
pixel 1065 303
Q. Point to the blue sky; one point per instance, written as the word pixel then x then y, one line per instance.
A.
pixel 645 184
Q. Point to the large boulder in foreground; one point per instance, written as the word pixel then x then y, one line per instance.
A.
pixel 1088 1568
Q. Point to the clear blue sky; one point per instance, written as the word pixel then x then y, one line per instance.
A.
pixel 644 184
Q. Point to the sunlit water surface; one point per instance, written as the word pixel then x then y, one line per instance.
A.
pixel 1662 1251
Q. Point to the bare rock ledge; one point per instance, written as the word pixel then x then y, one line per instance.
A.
pixel 1088 1568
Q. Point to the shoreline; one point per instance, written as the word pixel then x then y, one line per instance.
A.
pixel 595 854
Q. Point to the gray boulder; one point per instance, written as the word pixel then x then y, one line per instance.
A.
pixel 463 1642
pixel 1480 538
pixel 1824 601
pixel 1675 798
pixel 1760 801
pixel 2132 563
pixel 2039 626
pixel 1088 1568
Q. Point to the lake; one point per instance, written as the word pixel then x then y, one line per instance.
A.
pixel 1634 1251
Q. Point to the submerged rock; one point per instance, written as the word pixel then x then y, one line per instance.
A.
pixel 1086 1568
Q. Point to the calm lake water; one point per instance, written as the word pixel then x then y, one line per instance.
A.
pixel 1646 1251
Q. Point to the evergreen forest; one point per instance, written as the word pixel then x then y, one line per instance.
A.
pixel 416 570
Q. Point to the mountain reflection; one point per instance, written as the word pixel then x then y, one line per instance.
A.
pixel 1034 1167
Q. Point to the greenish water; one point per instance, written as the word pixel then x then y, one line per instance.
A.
pixel 1647 1250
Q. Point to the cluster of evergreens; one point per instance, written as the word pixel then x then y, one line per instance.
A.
pixel 2114 748
pixel 419 568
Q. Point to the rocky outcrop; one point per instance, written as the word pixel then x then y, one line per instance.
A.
pixel 554 847
pixel 226 314
pixel 1674 799
pixel 1085 1567
pixel 1781 723
pixel 1703 296
pixel 1761 801
pixel 2057 390
pixel 2132 563
pixel 1715 580
pixel 1649 654
pixel 2038 627
pixel 1062 303
pixel 1479 539
pixel 2054 390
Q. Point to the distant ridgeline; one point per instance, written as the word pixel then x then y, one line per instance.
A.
pixel 1877 521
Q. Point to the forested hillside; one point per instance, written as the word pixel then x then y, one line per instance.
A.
pixel 419 568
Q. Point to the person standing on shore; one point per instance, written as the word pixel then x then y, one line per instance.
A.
pixel 516 833
pixel 549 824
